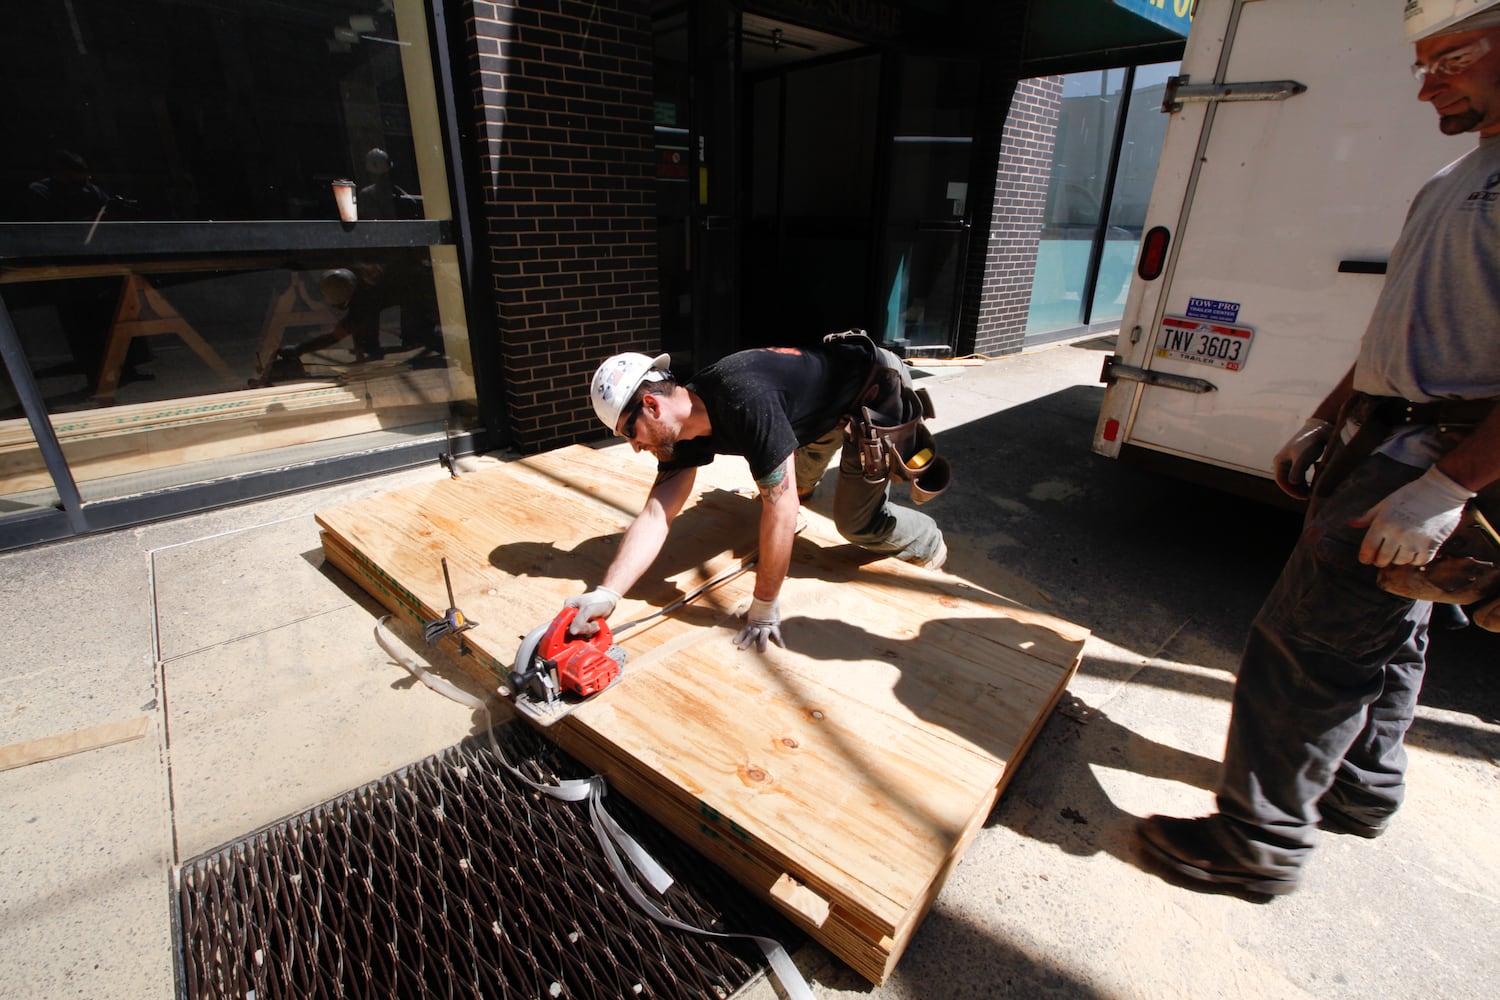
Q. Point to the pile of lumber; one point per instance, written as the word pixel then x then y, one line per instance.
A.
pixel 842 777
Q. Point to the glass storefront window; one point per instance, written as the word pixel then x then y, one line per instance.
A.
pixel 1140 152
pixel 194 110
pixel 30 492
pixel 1075 197
pixel 191 299
pixel 1079 227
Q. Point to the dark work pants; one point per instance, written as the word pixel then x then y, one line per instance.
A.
pixel 862 510
pixel 1327 688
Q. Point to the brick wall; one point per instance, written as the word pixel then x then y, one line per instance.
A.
pixel 564 126
pixel 1020 201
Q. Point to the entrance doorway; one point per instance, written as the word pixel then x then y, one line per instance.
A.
pixel 806 183
pixel 811 176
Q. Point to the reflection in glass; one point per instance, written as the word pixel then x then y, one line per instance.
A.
pixel 1075 193
pixel 21 463
pixel 174 365
pixel 189 110
pixel 926 233
pixel 1140 152
pixel 1091 104
pixel 150 368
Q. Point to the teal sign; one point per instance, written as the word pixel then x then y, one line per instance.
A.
pixel 1174 15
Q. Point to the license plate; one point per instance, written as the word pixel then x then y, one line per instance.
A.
pixel 1205 343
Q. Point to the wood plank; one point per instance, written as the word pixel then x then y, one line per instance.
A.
pixel 106 734
pixel 842 778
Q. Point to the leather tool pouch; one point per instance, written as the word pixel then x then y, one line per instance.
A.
pixel 888 426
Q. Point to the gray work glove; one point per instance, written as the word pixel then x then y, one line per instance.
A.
pixel 762 622
pixel 1295 459
pixel 597 603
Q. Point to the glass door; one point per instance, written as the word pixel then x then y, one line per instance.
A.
pixel 927 227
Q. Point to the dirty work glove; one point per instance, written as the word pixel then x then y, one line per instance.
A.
pixel 762 622
pixel 597 603
pixel 1412 523
pixel 1295 459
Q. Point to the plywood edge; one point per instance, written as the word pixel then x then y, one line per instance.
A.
pixel 481 667
pixel 847 930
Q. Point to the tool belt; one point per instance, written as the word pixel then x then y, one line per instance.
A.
pixel 1466 568
pixel 886 423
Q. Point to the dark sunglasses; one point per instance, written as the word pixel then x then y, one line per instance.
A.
pixel 627 430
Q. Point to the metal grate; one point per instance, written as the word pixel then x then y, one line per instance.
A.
pixel 451 878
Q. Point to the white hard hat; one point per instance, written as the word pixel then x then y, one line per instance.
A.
pixel 618 378
pixel 1425 18
pixel 337 286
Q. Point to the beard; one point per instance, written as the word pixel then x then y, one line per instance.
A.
pixel 663 446
pixel 1459 123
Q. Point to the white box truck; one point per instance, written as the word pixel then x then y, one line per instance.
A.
pixel 1295 146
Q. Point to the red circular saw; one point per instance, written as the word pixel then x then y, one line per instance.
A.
pixel 555 671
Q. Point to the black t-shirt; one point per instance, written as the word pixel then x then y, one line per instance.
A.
pixel 764 403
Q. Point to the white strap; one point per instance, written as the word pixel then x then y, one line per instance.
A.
pixel 608 832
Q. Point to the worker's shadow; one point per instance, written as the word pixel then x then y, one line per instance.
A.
pixel 950 676
pixel 720 520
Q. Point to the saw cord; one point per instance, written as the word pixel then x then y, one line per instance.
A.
pixel 724 576
pixel 613 839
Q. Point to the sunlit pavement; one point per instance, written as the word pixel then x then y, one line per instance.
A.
pixel 243 675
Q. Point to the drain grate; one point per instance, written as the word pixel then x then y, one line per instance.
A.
pixel 451 878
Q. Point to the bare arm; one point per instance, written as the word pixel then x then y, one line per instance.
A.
pixel 1337 396
pixel 648 532
pixel 778 527
pixel 1475 462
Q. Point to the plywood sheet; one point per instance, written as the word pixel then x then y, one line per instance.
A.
pixel 843 777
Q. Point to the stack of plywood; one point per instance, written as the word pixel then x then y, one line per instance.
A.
pixel 842 777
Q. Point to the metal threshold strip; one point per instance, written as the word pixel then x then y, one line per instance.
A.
pixel 451 878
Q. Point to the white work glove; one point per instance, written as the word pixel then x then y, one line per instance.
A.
pixel 597 603
pixel 1412 523
pixel 762 622
pixel 1295 459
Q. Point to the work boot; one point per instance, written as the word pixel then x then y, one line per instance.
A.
pixel 1337 821
pixel 1194 849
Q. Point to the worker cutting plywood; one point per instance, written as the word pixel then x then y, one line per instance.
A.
pixel 840 777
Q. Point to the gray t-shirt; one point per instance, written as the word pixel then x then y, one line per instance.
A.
pixel 1435 331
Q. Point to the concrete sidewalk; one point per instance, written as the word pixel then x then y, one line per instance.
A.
pixel 252 670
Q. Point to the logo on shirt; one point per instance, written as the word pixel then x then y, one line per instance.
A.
pixel 1489 194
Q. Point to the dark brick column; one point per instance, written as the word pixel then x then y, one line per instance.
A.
pixel 1024 168
pixel 562 94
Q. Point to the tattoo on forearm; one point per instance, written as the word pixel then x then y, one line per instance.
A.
pixel 774 485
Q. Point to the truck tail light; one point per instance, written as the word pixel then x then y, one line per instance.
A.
pixel 1153 253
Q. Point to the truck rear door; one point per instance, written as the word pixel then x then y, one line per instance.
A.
pixel 1281 214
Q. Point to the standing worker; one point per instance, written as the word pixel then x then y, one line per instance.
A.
pixel 786 410
pixel 1329 678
